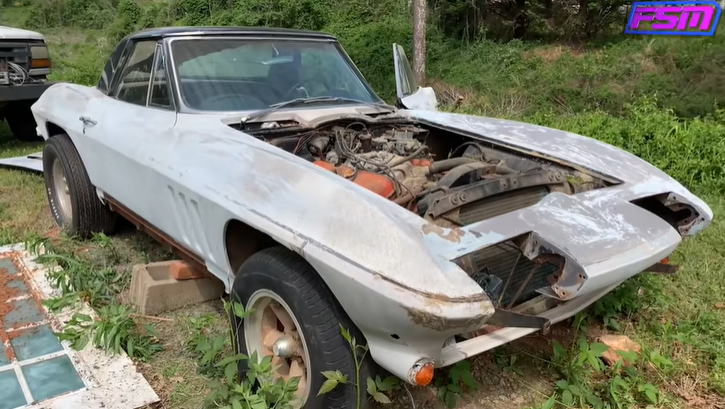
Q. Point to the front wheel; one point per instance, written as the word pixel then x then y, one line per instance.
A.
pixel 295 319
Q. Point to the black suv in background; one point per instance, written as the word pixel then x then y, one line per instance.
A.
pixel 24 67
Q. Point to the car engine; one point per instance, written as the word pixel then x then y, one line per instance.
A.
pixel 403 163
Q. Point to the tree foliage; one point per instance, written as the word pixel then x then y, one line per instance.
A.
pixel 456 19
pixel 514 55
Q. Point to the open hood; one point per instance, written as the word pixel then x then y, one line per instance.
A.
pixel 410 94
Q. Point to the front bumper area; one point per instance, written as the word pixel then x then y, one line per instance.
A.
pixel 458 351
pixel 551 307
pixel 603 242
pixel 599 242
pixel 25 92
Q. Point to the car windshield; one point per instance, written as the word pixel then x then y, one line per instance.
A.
pixel 243 74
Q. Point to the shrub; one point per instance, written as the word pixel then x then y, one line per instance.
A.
pixel 693 151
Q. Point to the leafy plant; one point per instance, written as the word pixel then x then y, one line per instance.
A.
pixel 79 279
pixel 376 388
pixel 649 391
pixel 454 386
pixel 95 283
pixel 612 387
pixel 507 362
pixel 113 330
pixel 258 389
pixel 379 387
pixel 618 390
pixel 112 256
pixel 207 347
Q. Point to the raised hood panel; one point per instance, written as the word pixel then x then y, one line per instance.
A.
pixel 640 178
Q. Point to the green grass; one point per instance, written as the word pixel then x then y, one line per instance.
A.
pixel 23 205
pixel 686 74
pixel 687 320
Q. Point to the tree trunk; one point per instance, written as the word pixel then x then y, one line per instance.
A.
pixel 419 22
pixel 521 23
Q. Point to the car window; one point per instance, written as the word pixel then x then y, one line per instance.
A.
pixel 104 83
pixel 243 62
pixel 239 74
pixel 407 76
pixel 318 63
pixel 133 85
pixel 160 87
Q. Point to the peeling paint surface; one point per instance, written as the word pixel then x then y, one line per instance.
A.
pixel 36 370
pixel 175 166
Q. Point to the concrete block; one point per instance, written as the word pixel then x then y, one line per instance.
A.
pixel 181 270
pixel 154 290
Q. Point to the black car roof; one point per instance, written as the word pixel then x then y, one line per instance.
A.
pixel 163 32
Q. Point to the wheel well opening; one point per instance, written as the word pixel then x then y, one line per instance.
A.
pixel 242 240
pixel 53 129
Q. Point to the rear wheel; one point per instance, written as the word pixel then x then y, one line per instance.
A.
pixel 21 121
pixel 295 319
pixel 73 201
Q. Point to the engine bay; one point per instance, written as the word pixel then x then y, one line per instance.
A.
pixel 449 179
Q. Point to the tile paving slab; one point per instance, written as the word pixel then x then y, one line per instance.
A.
pixel 38 370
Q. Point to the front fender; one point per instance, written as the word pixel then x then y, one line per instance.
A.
pixel 62 104
pixel 300 204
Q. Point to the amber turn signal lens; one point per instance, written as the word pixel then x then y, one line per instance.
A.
pixel 665 260
pixel 422 374
pixel 40 63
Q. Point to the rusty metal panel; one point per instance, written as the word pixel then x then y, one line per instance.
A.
pixel 500 204
pixel 504 260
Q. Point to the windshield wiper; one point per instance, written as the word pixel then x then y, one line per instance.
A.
pixel 309 100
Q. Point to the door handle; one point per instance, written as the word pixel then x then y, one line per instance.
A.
pixel 87 121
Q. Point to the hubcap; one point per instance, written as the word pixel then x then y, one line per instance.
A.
pixel 272 330
pixel 62 193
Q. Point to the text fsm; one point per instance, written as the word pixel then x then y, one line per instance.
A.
pixel 689 18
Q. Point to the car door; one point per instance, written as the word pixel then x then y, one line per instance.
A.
pixel 128 128
pixel 410 94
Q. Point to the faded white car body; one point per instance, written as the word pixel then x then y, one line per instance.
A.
pixel 189 175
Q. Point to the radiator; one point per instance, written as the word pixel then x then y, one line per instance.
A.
pixel 502 259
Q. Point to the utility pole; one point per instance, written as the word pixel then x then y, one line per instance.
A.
pixel 419 27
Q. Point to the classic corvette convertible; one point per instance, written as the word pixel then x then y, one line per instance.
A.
pixel 264 157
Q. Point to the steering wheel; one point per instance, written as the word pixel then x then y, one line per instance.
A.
pixel 317 77
pixel 244 100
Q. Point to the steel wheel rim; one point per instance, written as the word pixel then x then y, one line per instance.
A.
pixel 62 192
pixel 261 331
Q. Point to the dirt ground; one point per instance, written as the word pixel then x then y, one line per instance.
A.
pixel 173 374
